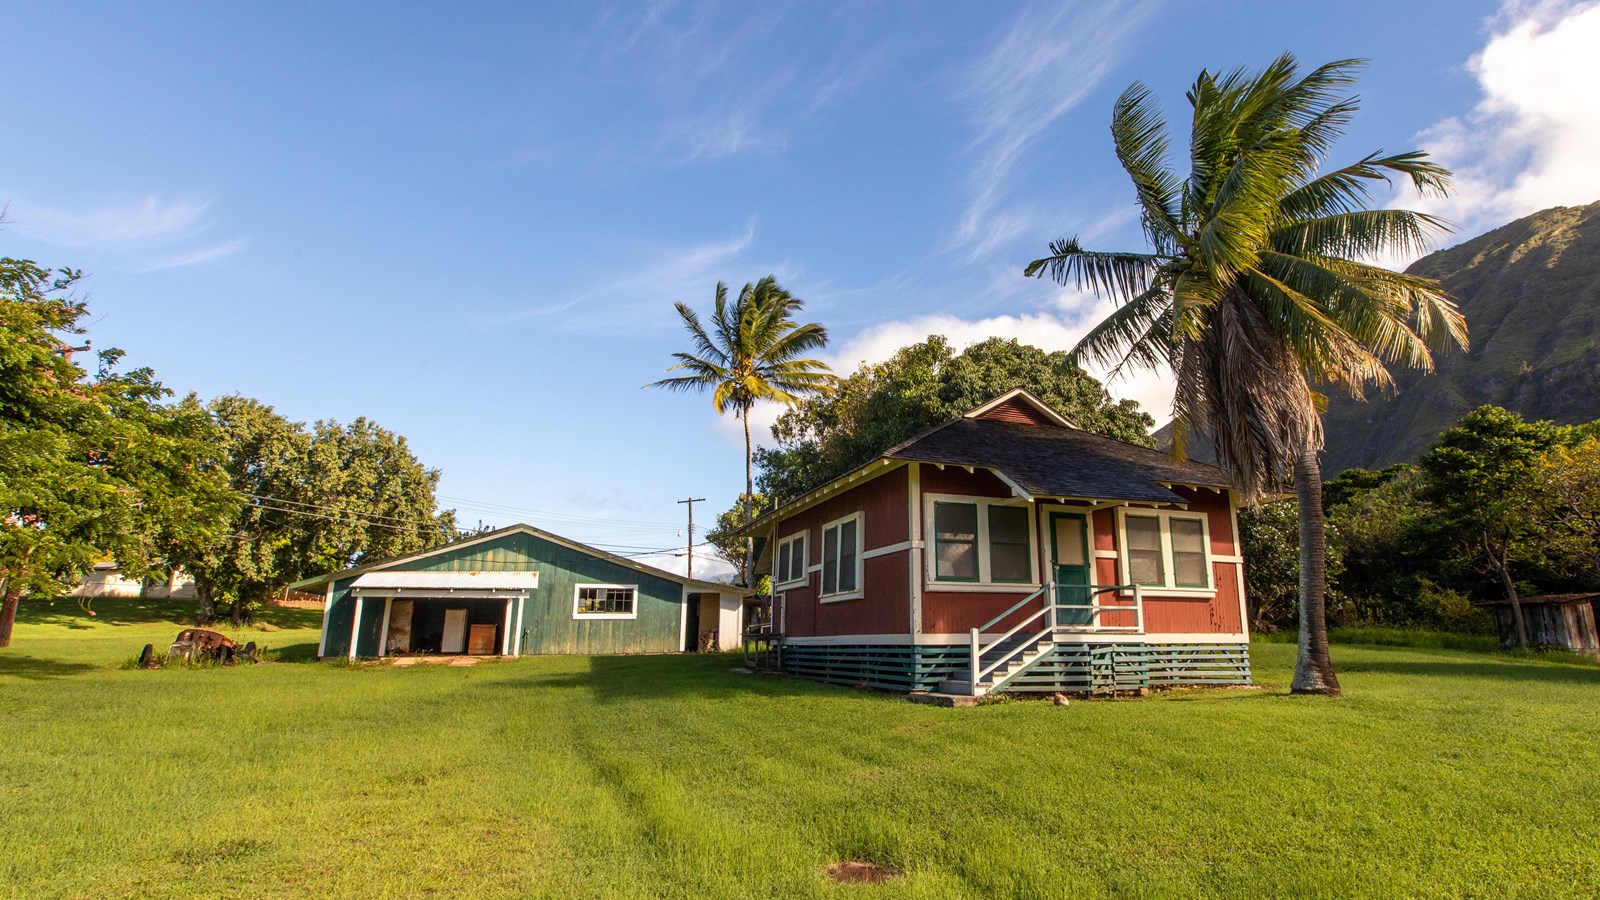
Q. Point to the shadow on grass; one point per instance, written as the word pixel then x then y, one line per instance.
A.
pixel 1505 668
pixel 613 679
pixel 34 668
pixel 66 612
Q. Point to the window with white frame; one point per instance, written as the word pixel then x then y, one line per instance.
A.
pixel 1166 550
pixel 841 558
pixel 790 567
pixel 605 601
pixel 981 541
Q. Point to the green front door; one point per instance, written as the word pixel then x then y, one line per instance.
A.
pixel 1069 542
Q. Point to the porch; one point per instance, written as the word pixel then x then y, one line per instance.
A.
pixel 1037 624
pixel 457 614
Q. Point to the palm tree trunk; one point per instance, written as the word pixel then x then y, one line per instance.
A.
pixel 749 497
pixel 1313 670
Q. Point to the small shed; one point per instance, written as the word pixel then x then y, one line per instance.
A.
pixel 1563 621
pixel 520 590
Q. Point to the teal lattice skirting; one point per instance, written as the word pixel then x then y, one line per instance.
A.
pixel 1071 668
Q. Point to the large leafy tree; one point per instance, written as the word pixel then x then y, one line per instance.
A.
pixel 923 385
pixel 754 351
pixel 1258 285
pixel 313 501
pixel 92 464
pixel 1482 477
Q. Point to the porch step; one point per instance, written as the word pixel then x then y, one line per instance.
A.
pixel 998 676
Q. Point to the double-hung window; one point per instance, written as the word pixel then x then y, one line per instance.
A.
pixel 841 558
pixel 981 541
pixel 791 565
pixel 1166 550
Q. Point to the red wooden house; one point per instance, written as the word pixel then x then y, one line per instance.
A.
pixel 1011 542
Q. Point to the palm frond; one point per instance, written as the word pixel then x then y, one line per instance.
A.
pixel 1139 133
pixel 1121 276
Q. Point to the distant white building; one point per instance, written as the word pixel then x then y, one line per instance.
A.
pixel 106 580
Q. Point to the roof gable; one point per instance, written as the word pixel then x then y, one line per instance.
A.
pixel 1021 407
pixel 499 534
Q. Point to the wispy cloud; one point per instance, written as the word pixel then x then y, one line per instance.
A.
pixel 719 88
pixel 195 257
pixel 1039 70
pixel 687 273
pixel 1533 139
pixel 141 235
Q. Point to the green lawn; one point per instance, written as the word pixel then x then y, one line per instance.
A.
pixel 1442 772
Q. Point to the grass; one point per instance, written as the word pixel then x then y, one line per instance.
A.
pixel 1442 773
pixel 1397 637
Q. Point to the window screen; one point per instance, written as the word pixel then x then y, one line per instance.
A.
pixel 1144 550
pixel 830 560
pixel 1188 552
pixel 955 528
pixel 847 556
pixel 1010 558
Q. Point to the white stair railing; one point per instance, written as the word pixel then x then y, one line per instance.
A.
pixel 978 648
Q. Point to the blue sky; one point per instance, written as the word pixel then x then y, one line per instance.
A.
pixel 470 222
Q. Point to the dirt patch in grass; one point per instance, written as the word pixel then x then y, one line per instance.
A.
pixel 855 871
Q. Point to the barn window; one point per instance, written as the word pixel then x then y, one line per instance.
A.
pixel 791 564
pixel 605 601
pixel 841 558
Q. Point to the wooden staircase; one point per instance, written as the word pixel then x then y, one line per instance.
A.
pixel 1039 648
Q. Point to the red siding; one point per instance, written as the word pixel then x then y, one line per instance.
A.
pixel 1018 411
pixel 885 607
pixel 957 480
pixel 1218 615
pixel 955 612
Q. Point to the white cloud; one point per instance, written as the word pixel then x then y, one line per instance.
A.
pixel 1533 139
pixel 141 235
pixel 194 257
pixel 1045 65
pixel 707 565
pixel 1059 328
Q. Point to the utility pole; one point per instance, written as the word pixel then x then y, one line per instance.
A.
pixel 688 571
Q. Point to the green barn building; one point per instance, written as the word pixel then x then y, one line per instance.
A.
pixel 520 590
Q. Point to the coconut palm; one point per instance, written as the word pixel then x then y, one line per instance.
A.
pixel 1260 283
pixel 753 352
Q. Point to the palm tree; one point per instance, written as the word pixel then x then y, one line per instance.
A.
pixel 1259 283
pixel 753 352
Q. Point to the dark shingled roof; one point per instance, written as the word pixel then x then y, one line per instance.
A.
pixel 1048 461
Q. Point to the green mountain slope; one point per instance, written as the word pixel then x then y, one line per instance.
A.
pixel 1531 294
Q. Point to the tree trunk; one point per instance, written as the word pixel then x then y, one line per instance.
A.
pixel 8 611
pixel 1510 589
pixel 1313 670
pixel 207 602
pixel 749 498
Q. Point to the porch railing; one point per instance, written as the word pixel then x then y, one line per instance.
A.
pixel 1048 616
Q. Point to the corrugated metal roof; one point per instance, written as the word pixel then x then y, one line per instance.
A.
pixel 468 581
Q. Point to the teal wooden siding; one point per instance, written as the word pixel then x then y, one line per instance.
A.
pixel 548 626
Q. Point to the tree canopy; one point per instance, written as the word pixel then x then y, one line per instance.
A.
pixel 921 386
pixel 92 464
pixel 314 500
